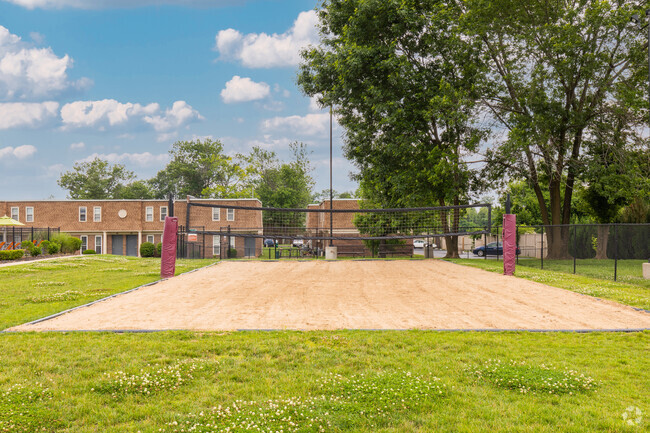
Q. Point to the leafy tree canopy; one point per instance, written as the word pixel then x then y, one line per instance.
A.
pixel 95 180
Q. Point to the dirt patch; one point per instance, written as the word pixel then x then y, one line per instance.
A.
pixel 312 295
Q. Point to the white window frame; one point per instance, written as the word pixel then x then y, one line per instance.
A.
pixel 150 238
pixel 85 214
pixel 97 214
pixel 163 215
pixel 232 242
pixel 29 214
pixel 148 214
pixel 98 243
pixel 230 215
pixel 15 213
pixel 216 245
pixel 216 213
pixel 84 242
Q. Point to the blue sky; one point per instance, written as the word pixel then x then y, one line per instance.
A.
pixel 80 78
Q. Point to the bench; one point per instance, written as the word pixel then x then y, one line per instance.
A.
pixel 395 250
pixel 351 250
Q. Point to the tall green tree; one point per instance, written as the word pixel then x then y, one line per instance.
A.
pixel 401 78
pixel 283 184
pixel 200 168
pixel 95 180
pixel 554 68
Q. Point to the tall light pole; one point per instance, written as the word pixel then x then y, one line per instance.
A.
pixel 331 190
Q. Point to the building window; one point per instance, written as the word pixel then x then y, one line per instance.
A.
pixel 29 214
pixel 15 214
pixel 216 245
pixel 216 214
pixel 98 244
pixel 84 243
pixel 232 241
pixel 82 214
pixel 149 213
pixel 231 215
pixel 163 213
pixel 150 238
pixel 97 214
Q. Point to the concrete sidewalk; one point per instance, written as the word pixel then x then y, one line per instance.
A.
pixel 12 263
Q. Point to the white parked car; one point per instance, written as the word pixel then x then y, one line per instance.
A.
pixel 418 243
pixel 297 243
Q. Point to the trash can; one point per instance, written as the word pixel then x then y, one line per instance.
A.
pixel 278 253
pixel 428 252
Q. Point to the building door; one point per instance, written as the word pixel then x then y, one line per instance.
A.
pixel 117 241
pixel 132 245
pixel 249 247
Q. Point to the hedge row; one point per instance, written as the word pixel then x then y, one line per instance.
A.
pixel 11 254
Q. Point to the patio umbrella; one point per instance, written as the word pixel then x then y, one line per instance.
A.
pixel 5 222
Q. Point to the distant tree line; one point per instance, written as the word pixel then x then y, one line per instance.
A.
pixel 201 169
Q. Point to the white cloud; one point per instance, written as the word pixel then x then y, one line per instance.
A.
pixel 270 143
pixel 310 124
pixel 32 73
pixel 139 159
pixel 260 50
pixel 313 103
pixel 179 115
pixel 106 4
pixel 26 114
pixel 240 89
pixel 78 146
pixel 107 112
pixel 20 152
pixel 111 113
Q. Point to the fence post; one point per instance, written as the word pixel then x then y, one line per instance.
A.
pixel 517 245
pixel 497 244
pixel 485 244
pixel 228 246
pixel 48 234
pixel 615 250
pixel 541 255
pixel 203 236
pixel 575 248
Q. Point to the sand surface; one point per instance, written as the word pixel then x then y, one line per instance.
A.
pixel 312 295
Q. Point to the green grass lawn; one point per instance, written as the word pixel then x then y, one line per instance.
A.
pixel 356 381
pixel 342 381
pixel 630 291
pixel 34 290
pixel 628 271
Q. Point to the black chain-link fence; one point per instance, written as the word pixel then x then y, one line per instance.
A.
pixel 14 235
pixel 609 251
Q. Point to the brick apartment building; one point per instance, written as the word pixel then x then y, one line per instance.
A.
pixel 121 226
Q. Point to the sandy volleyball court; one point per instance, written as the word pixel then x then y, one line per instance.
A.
pixel 312 295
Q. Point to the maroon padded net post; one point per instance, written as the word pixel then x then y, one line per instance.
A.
pixel 168 256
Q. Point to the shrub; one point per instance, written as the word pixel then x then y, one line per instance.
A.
pixel 232 253
pixel 159 249
pixel 89 252
pixel 53 247
pixel 68 244
pixel 45 246
pixel 11 254
pixel 27 245
pixel 147 249
pixel 34 251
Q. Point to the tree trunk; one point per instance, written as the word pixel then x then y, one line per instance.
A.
pixel 603 237
pixel 558 242
pixel 451 242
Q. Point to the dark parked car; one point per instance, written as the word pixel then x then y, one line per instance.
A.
pixel 493 248
pixel 269 243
